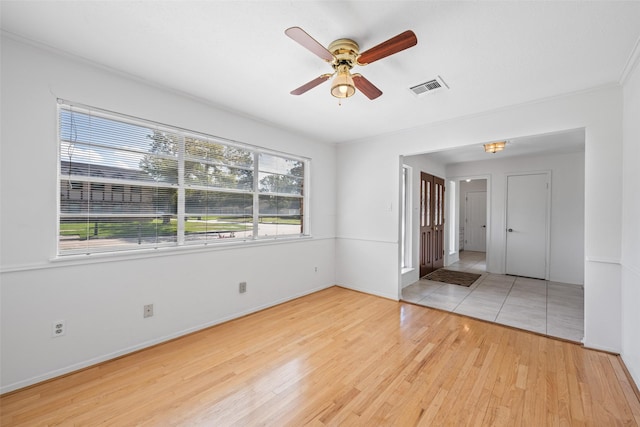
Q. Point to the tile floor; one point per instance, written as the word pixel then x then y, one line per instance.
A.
pixel 551 308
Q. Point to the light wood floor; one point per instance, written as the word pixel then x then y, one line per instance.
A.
pixel 339 357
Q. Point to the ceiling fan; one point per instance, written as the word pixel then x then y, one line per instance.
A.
pixel 343 54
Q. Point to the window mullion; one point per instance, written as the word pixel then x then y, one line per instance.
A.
pixel 256 197
pixel 181 192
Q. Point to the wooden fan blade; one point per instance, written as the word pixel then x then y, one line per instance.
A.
pixel 366 87
pixel 300 36
pixel 313 83
pixel 393 45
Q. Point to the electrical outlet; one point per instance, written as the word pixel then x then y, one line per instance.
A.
pixel 243 287
pixel 316 269
pixel 58 328
pixel 148 310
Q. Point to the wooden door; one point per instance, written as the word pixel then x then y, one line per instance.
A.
pixel 431 223
pixel 475 228
pixel 527 225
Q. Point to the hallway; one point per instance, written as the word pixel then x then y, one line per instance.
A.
pixel 550 308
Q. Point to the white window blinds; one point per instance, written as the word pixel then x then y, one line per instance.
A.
pixel 128 184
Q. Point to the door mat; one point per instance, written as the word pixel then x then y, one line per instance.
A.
pixel 453 277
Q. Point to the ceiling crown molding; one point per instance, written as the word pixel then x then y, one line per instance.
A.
pixel 632 63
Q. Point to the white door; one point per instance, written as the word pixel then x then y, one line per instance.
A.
pixel 527 225
pixel 475 230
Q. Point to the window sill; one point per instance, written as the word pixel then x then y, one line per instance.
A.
pixel 64 260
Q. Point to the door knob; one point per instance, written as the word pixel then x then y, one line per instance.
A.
pixel 510 230
pixel 484 226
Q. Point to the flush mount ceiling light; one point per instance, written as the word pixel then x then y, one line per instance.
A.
pixel 494 147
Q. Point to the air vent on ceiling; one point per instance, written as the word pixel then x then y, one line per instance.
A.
pixel 430 86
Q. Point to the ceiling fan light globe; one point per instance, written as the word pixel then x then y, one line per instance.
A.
pixel 342 86
pixel 343 91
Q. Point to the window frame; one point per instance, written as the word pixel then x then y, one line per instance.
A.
pixel 406 220
pixel 179 240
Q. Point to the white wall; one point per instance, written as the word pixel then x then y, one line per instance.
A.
pixel 368 185
pixel 101 298
pixel 566 246
pixel 631 225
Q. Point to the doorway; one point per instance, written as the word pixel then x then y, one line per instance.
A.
pixel 431 223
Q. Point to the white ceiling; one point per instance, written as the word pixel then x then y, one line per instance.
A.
pixel 235 55
pixel 550 143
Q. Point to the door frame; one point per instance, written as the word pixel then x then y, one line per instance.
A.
pixel 546 172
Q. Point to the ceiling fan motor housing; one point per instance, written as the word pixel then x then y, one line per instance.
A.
pixel 345 52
